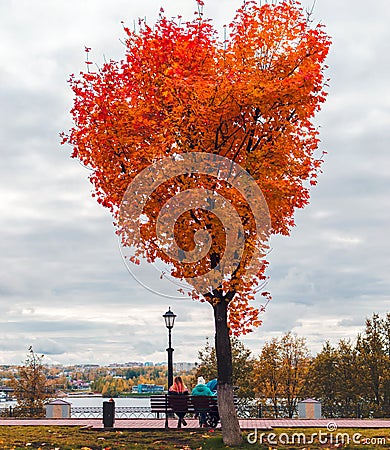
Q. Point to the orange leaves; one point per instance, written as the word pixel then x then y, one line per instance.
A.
pixel 250 98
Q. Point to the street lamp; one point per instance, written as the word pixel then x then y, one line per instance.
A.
pixel 169 318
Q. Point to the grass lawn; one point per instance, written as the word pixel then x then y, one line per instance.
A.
pixel 67 438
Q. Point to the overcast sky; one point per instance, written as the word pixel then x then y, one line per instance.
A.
pixel 63 285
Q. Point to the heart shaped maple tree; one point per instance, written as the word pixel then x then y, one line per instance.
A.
pixel 250 99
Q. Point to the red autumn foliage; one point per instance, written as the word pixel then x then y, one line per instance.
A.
pixel 251 99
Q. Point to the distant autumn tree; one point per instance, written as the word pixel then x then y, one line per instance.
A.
pixel 323 381
pixel 349 377
pixel 281 372
pixel 266 375
pixel 337 380
pixel 242 360
pixel 353 380
pixel 31 386
pixel 374 362
pixel 202 148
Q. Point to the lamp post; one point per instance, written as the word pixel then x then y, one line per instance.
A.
pixel 169 318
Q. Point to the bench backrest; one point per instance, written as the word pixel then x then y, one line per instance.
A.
pixel 183 403
pixel 204 403
pixel 178 402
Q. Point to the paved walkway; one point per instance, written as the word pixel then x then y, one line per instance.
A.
pixel 245 424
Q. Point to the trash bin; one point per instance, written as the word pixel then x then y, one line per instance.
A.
pixel 108 414
pixel 58 409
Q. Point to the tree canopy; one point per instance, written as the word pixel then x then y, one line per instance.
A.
pixel 250 98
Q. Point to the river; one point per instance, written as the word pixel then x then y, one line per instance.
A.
pixel 92 407
pixel 98 401
pixel 91 401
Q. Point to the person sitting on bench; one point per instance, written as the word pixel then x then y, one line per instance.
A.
pixel 201 389
pixel 179 388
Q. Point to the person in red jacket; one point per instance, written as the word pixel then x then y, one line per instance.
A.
pixel 179 388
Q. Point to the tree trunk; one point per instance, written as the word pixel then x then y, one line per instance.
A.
pixel 231 432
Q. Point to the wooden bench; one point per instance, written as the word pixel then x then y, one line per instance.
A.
pixel 170 404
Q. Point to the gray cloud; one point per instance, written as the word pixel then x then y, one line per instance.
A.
pixel 49 347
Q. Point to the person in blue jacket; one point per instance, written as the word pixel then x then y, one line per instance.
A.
pixel 213 385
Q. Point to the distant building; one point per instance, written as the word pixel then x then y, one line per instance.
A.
pixel 80 384
pixel 183 366
pixel 6 393
pixel 127 364
pixel 177 366
pixel 149 389
pixel 87 366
